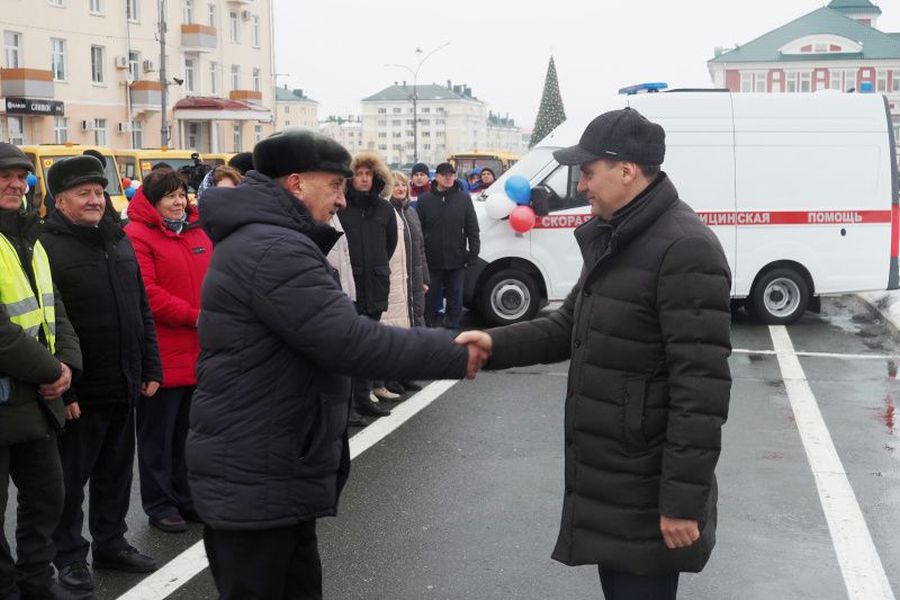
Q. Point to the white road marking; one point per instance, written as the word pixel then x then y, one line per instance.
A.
pixel 184 567
pixel 859 561
pixel 822 354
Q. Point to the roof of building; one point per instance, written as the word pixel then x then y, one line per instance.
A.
pixel 855 6
pixel 766 48
pixel 282 94
pixel 425 92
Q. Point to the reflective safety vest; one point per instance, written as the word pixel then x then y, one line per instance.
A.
pixel 17 296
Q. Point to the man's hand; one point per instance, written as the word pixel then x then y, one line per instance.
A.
pixel 678 533
pixel 73 411
pixel 52 391
pixel 148 388
pixel 480 346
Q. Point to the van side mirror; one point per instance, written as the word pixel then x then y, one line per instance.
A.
pixel 540 200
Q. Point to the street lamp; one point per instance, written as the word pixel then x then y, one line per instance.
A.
pixel 415 94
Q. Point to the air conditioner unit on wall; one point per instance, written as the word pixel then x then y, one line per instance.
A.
pixel 87 125
pixel 246 14
pixel 121 62
pixel 149 66
pixel 123 127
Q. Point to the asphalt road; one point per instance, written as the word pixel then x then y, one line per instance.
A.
pixel 463 500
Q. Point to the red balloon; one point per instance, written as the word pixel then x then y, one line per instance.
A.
pixel 126 182
pixel 522 218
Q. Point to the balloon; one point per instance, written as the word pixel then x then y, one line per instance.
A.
pixel 498 206
pixel 129 192
pixel 518 189
pixel 135 184
pixel 522 218
pixel 31 180
pixel 126 182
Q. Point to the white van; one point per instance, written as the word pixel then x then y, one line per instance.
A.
pixel 800 188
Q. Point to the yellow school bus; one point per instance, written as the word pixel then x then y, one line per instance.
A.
pixel 498 162
pixel 44 155
pixel 135 164
pixel 217 158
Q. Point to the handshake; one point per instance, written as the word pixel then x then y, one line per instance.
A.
pixel 479 344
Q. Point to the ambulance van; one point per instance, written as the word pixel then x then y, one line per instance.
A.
pixel 801 190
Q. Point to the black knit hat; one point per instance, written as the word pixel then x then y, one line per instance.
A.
pixel 419 168
pixel 618 135
pixel 13 158
pixel 242 161
pixel 300 151
pixel 66 173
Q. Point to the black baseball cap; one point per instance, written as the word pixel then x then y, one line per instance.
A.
pixel 623 134
pixel 11 157
pixel 444 168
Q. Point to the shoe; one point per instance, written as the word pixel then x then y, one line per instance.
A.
pixel 189 514
pixel 371 409
pixel 383 393
pixel 357 420
pixel 128 559
pixel 395 387
pixel 411 386
pixel 171 524
pixel 76 576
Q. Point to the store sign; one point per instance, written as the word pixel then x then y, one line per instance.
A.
pixel 34 106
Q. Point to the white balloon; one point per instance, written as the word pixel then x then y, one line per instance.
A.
pixel 498 206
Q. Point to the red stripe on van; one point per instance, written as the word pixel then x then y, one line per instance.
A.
pixel 762 217
pixel 895 230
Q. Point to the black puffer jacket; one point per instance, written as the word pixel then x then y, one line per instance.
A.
pixel 97 274
pixel 268 440
pixel 370 225
pixel 647 328
pixel 450 227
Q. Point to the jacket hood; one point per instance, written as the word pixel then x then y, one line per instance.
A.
pixel 383 181
pixel 259 199
pixel 140 210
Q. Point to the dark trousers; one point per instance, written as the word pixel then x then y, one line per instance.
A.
pixel 445 283
pixel 36 472
pixel 625 586
pixel 162 426
pixel 269 564
pixel 360 388
pixel 98 448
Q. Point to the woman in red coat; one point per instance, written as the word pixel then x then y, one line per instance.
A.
pixel 174 253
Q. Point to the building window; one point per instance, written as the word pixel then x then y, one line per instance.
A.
pixel 790 85
pixel 805 82
pixel 97 55
pixel 137 134
pixel 131 10
pixel 257 133
pixel 382 134
pixel 211 18
pixel 382 111
pixel 254 31
pixel 60 130
pixel 193 134
pixel 189 75
pixel 100 132
pixel 256 84
pixel 759 82
pixel 426 110
pixel 382 122
pixel 234 26
pixel 58 59
pixel 56 2
pixel 235 77
pixel 397 111
pixel 881 84
pixel 213 78
pixel 396 123
pixel 12 49
pixel 96 6
pixel 236 137
pixel 134 65
pixel 188 11
pixel 746 82
pixel 834 80
pixel 16 129
pixel 850 80
pixel 287 109
pixel 895 81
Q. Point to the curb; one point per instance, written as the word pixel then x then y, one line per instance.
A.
pixel 887 304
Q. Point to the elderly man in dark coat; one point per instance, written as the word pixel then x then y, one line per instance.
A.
pixel 647 329
pixel 267 451
pixel 96 271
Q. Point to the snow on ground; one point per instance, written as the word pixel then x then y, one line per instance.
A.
pixel 887 303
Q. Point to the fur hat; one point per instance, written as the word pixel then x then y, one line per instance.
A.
pixel 66 173
pixel 13 158
pixel 383 180
pixel 300 151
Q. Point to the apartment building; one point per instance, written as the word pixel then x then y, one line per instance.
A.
pixel 88 71
pixel 503 134
pixel 294 109
pixel 837 47
pixel 345 130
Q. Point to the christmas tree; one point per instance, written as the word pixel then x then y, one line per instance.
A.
pixel 551 113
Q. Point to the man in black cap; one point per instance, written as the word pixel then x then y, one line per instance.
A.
pixel 267 451
pixel 38 353
pixel 647 330
pixel 96 271
pixel 452 241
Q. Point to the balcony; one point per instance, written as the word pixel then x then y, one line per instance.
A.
pixel 245 95
pixel 198 38
pixel 26 82
pixel 146 95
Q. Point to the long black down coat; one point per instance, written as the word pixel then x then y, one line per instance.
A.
pixel 449 226
pixel 647 329
pixel 279 339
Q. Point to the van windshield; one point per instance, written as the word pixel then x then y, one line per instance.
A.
pixel 113 188
pixel 528 166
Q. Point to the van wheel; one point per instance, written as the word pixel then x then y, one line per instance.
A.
pixel 508 296
pixel 779 297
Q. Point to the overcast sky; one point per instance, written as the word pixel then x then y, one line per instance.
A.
pixel 336 50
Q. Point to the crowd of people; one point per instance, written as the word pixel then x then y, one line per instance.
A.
pixel 227 341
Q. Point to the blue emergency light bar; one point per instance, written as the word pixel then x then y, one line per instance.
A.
pixel 643 88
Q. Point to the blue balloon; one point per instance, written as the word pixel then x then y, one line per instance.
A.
pixel 518 189
pixel 31 180
pixel 129 192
